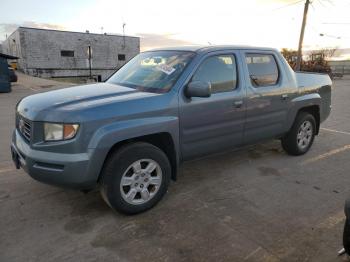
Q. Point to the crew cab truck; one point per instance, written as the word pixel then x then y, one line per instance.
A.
pixel 128 135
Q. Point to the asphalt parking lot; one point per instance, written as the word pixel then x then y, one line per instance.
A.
pixel 254 204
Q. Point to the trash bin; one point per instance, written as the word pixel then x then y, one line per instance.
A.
pixel 5 76
pixel 5 85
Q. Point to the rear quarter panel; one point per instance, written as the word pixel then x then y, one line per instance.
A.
pixel 321 84
pixel 313 89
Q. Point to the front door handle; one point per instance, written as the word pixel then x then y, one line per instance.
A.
pixel 238 104
pixel 284 96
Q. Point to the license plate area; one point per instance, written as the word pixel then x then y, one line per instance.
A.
pixel 17 158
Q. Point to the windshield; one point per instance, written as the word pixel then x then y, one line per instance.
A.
pixel 155 71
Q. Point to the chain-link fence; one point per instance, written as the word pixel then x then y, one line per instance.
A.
pixel 340 67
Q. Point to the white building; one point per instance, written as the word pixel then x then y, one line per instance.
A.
pixel 53 53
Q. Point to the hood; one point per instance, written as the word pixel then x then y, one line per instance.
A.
pixel 77 98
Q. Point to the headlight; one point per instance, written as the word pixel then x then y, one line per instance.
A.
pixel 55 132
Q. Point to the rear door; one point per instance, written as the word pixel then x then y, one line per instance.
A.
pixel 269 94
pixel 212 124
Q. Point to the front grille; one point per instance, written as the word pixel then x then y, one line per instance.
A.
pixel 24 126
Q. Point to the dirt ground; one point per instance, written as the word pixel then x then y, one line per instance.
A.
pixel 254 204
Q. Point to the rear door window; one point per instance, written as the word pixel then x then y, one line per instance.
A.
pixel 263 69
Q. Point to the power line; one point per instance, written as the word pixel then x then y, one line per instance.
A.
pixel 322 3
pixel 313 8
pixel 287 5
pixel 332 36
pixel 331 2
pixel 322 33
pixel 336 23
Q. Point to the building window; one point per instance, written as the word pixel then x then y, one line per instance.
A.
pixel 121 57
pixel 67 53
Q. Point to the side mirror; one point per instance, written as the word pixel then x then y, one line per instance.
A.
pixel 198 89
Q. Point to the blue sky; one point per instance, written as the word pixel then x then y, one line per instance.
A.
pixel 41 11
pixel 273 23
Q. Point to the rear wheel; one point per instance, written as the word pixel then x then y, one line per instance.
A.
pixel 135 178
pixel 301 136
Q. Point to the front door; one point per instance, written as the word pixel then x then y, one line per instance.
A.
pixel 208 125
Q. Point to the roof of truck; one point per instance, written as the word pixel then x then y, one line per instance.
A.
pixel 211 48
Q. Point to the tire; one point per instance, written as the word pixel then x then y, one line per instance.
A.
pixel 296 143
pixel 346 236
pixel 131 172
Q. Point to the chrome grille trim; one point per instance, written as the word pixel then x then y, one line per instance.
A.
pixel 24 126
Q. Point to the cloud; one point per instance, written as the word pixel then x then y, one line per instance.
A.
pixel 149 41
pixel 8 28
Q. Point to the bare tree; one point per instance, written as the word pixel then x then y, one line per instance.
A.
pixel 329 52
pixel 325 53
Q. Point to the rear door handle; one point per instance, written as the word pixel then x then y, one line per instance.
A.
pixel 284 96
pixel 238 104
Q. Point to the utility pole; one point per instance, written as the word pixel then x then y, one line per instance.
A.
pixel 301 38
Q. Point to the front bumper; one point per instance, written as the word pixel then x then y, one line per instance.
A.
pixel 64 170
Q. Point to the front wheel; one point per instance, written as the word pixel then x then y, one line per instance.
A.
pixel 135 178
pixel 301 136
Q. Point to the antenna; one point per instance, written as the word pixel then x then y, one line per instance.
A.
pixel 124 24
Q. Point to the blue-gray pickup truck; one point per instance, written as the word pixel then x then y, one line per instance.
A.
pixel 127 136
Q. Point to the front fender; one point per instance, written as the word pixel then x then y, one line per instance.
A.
pixel 109 135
